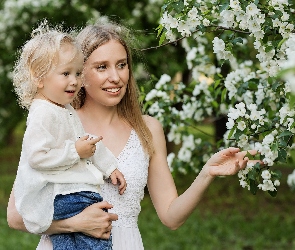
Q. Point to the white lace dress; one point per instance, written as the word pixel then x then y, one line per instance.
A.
pixel 133 163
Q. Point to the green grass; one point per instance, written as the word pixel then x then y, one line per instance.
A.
pixel 228 216
pixel 12 239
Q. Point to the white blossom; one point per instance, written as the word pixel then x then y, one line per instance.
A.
pixel 170 159
pixel 241 125
pixel 266 175
pixel 291 179
pixel 267 186
pixel 164 79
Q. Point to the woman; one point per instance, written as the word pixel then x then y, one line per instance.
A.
pixel 108 105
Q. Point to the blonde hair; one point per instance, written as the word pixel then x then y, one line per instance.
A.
pixel 36 58
pixel 92 37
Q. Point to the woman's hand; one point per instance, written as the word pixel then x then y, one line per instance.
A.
pixel 91 221
pixel 228 161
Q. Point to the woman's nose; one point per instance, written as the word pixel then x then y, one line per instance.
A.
pixel 113 76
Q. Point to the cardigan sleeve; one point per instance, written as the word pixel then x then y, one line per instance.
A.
pixel 104 160
pixel 43 145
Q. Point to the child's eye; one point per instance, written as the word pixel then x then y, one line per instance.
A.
pixel 122 65
pixel 66 73
pixel 78 73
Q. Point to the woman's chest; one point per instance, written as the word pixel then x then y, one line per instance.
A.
pixel 114 138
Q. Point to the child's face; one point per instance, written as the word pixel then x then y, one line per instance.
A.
pixel 63 81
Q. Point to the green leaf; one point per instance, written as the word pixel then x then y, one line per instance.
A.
pixel 277 174
pixel 286 71
pixel 215 104
pixel 292 100
pixel 257 167
pixel 252 175
pixel 252 157
pixel 273 193
pixel 231 132
pixel 252 85
pixel 178 6
pixel 275 146
pixel 223 95
pixel 285 133
pixel 282 155
pixel 253 187
pixel 238 134
pixel 281 42
pixel 160 29
pixel 237 40
pixel 201 28
pixel 278 13
pixel 268 48
pixel 216 92
pixel 162 38
pixel 164 7
pixel 216 83
pixel 223 7
pixel 282 143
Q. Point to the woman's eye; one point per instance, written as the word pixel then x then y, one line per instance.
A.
pixel 101 67
pixel 122 65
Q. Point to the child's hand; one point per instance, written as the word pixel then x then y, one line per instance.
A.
pixel 85 146
pixel 118 178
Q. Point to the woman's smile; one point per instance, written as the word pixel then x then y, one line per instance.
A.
pixel 112 90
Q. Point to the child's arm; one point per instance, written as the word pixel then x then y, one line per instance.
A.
pixel 45 142
pixel 104 160
pixel 118 178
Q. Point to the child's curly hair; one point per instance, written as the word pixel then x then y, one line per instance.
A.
pixel 36 58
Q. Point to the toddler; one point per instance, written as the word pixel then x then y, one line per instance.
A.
pixel 60 167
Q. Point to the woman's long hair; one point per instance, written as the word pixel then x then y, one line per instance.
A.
pixel 129 109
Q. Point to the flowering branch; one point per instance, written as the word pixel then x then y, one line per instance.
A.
pixel 239 80
pixel 183 37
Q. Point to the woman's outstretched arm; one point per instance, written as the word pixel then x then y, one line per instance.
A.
pixel 92 221
pixel 173 210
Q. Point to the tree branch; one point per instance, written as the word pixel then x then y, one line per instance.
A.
pixel 181 38
pixel 162 45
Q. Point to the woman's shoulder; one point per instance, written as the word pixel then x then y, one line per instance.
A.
pixel 153 124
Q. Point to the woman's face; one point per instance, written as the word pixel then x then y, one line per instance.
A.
pixel 106 74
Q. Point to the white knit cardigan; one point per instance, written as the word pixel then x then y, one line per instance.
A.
pixel 50 165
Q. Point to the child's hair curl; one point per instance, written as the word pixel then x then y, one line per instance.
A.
pixel 37 57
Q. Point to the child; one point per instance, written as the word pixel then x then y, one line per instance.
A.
pixel 60 167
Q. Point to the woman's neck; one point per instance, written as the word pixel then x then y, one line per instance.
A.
pixel 104 121
pixel 94 114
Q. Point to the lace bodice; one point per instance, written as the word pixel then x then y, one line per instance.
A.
pixel 133 163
